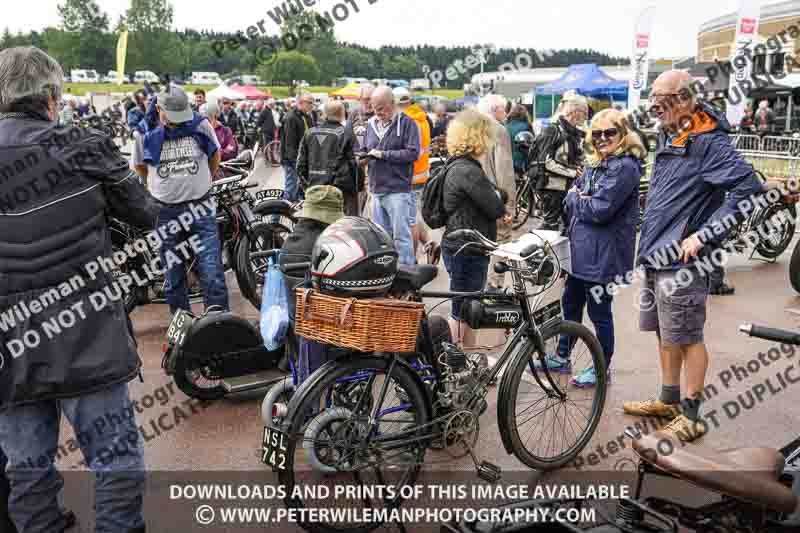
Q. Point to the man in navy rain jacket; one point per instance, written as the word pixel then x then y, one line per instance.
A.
pixel 700 188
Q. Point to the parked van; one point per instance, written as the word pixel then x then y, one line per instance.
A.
pixel 141 76
pixel 84 76
pixel 420 84
pixel 205 78
pixel 111 77
pixel 248 79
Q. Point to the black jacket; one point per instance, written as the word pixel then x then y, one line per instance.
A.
pixel 266 122
pixel 55 200
pixel 297 249
pixel 558 152
pixel 293 127
pixel 231 120
pixel 326 158
pixel 471 202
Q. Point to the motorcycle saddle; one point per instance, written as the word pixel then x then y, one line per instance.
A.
pixel 748 474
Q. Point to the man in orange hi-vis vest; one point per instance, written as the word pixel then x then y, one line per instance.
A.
pixel 422 168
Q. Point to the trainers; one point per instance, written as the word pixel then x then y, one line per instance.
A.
pixel 587 378
pixel 554 364
pixel 683 429
pixel 651 408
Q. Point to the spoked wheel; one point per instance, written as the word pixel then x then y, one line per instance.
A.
pixel 196 380
pixel 775 227
pixel 794 268
pixel 549 427
pixel 261 238
pixel 523 209
pixel 336 446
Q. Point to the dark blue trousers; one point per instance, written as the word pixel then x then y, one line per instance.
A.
pixel 576 297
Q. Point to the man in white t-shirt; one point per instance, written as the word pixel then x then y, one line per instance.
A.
pixel 178 159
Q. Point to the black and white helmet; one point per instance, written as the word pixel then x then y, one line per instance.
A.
pixel 354 257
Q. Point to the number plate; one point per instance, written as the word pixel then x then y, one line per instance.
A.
pixel 179 327
pixel 274 448
pixel 268 194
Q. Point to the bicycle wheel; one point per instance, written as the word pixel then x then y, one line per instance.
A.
pixel 524 206
pixel 775 229
pixel 546 431
pixel 794 269
pixel 335 446
pixel 262 237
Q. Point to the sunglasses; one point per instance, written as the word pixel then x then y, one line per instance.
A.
pixel 610 133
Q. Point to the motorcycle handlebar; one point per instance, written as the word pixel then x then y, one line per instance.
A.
pixel 771 334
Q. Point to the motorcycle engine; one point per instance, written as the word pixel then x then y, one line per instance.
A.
pixel 461 380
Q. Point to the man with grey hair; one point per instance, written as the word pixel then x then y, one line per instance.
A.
pixel 498 164
pixel 357 125
pixel 559 159
pixel 54 236
pixel 326 157
pixel 698 181
pixel 393 145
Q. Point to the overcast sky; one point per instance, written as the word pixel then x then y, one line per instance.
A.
pixel 606 26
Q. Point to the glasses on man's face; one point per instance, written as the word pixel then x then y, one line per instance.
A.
pixel 610 133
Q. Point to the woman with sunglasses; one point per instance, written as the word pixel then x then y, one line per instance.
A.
pixel 602 209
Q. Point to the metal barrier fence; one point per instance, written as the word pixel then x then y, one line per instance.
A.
pixel 769 144
pixel 774 164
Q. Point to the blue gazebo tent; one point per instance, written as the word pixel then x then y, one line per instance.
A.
pixel 587 80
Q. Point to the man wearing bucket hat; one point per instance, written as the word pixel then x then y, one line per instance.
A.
pixel 323 206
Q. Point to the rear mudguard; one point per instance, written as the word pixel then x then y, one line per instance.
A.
pixel 330 366
pixel 274 206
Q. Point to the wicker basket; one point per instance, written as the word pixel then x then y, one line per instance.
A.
pixel 366 325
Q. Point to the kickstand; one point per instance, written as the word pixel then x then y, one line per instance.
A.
pixel 763 260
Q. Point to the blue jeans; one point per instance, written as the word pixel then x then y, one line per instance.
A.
pixel 209 262
pixel 467 274
pixel 576 297
pixel 106 430
pixel 391 212
pixel 291 188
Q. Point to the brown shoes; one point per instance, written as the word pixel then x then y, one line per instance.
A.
pixel 651 408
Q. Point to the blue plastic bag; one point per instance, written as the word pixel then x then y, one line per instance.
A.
pixel 274 308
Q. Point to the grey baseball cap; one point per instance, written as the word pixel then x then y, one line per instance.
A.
pixel 175 104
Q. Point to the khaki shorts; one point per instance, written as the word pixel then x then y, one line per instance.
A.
pixel 673 304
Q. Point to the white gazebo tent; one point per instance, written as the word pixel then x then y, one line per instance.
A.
pixel 223 91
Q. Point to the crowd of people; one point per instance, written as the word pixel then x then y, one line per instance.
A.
pixel 373 163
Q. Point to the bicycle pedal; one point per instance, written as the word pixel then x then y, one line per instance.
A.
pixel 489 472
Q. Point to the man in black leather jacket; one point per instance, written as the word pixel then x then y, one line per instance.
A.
pixel 559 157
pixel 326 157
pixel 66 343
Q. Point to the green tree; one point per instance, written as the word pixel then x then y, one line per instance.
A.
pixel 355 63
pixel 150 24
pixel 288 67
pixel 314 35
pixel 401 66
pixel 88 43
